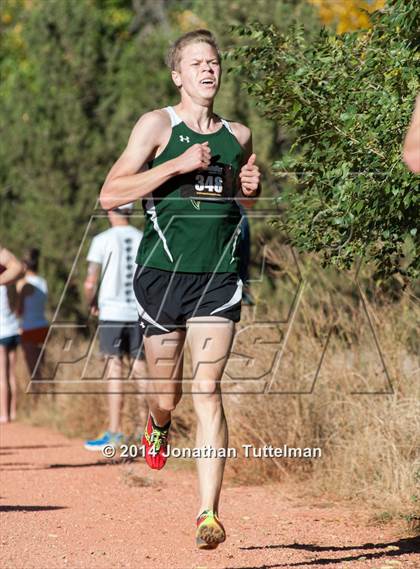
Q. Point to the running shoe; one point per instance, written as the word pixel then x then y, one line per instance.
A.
pixel 155 442
pixel 210 531
pixel 107 438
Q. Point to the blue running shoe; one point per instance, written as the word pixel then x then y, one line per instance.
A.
pixel 107 438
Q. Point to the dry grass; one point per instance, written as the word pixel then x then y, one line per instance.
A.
pixel 362 411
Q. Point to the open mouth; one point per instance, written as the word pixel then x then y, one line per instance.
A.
pixel 208 82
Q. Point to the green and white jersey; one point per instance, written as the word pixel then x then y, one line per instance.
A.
pixel 192 221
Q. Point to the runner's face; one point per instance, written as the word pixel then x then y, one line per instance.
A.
pixel 199 71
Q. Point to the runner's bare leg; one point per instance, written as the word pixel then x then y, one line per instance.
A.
pixel 210 339
pixel 140 375
pixel 164 356
pixel 115 394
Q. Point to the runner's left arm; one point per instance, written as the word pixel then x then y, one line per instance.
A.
pixel 249 180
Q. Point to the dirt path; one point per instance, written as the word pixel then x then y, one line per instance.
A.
pixel 62 506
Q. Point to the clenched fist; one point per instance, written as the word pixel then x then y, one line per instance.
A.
pixel 196 157
pixel 249 177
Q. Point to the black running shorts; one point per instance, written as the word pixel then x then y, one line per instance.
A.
pixel 166 300
pixel 119 338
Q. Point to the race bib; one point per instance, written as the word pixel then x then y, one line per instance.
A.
pixel 216 183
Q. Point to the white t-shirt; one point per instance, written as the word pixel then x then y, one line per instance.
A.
pixel 9 324
pixel 116 249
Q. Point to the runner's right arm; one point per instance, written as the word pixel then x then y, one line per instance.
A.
pixel 125 183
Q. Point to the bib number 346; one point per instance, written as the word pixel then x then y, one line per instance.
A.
pixel 209 184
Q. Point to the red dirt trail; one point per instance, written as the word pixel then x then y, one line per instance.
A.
pixel 62 506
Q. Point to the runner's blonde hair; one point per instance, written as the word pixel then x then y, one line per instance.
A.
pixel 174 55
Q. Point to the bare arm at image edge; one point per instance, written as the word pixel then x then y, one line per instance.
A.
pixel 14 269
pixel 411 153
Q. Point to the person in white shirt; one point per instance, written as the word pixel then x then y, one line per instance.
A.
pixel 32 298
pixel 10 271
pixel 111 260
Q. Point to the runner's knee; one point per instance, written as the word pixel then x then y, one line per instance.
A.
pixel 209 387
pixel 168 403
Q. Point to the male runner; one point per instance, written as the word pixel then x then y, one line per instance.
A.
pixel 111 260
pixel 187 284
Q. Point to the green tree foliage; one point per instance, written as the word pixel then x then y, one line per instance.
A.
pixel 347 101
pixel 76 76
